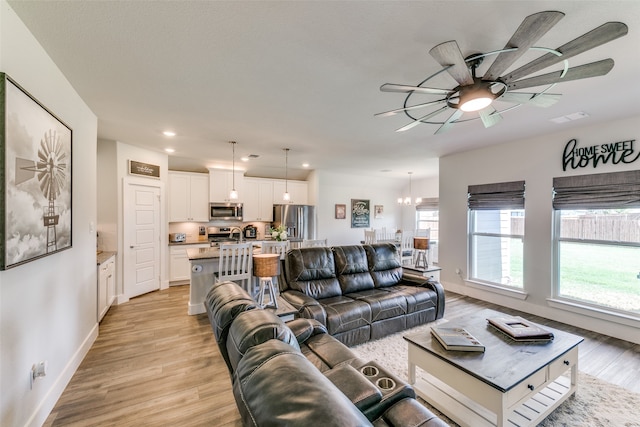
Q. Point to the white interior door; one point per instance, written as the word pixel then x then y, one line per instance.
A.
pixel 141 239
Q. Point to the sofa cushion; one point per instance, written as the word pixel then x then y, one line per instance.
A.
pixel 276 385
pixel 408 412
pixel 384 304
pixel 418 298
pixel 312 272
pixel 344 313
pixel 352 269
pixel 384 264
pixel 255 327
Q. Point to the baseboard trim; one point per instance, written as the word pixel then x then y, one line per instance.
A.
pixel 44 408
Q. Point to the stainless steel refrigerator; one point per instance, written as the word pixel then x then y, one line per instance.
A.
pixel 299 220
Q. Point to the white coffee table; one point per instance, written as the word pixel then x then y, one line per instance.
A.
pixel 509 384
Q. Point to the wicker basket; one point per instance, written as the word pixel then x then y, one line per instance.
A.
pixel 421 243
pixel 266 265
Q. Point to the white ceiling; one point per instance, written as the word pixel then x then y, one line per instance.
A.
pixel 306 75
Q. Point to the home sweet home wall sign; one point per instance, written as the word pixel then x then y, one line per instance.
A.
pixel 575 157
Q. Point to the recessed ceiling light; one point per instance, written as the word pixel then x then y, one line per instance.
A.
pixel 305 165
pixel 244 159
pixel 169 150
pixel 168 133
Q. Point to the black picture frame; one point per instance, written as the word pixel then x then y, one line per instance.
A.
pixel 35 183
pixel 360 213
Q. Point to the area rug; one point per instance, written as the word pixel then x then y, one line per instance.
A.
pixel 595 404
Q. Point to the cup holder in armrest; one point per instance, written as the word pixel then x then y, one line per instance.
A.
pixel 385 383
pixel 392 388
pixel 369 371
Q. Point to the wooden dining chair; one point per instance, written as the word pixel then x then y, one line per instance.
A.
pixel 235 265
pixel 275 247
pixel 369 237
pixel 314 243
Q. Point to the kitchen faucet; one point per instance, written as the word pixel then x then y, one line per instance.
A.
pixel 239 232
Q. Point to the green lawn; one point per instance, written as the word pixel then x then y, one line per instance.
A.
pixel 602 274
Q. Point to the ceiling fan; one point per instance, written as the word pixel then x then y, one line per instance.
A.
pixel 478 94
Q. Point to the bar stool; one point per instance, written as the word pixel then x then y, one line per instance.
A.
pixel 265 267
pixel 421 245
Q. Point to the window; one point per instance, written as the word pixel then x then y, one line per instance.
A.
pixel 427 219
pixel 496 233
pixel 597 240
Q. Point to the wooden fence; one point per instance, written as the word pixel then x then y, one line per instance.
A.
pixel 614 228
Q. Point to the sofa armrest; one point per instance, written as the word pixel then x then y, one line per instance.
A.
pixel 303 329
pixel 426 282
pixel 308 307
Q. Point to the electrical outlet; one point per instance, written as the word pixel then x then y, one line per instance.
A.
pixel 38 370
pixel 458 271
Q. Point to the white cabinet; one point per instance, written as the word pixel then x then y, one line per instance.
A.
pixel 221 182
pixel 106 286
pixel 258 200
pixel 179 265
pixel 188 196
pixel 297 190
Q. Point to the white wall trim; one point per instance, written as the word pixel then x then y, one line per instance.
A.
pixel 42 411
pixel 593 311
pixel 513 293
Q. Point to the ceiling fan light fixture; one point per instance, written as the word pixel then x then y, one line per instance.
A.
pixel 476 104
pixel 475 99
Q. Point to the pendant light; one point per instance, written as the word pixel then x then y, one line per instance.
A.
pixel 286 196
pixel 233 194
pixel 409 199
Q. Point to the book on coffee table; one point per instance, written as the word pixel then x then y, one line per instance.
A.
pixel 456 339
pixel 520 329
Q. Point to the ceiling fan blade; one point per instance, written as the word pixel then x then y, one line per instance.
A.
pixel 419 121
pixel 594 69
pixel 450 121
pixel 413 107
pixel 391 87
pixel 448 55
pixel 530 30
pixel 594 38
pixel 535 99
pixel 489 116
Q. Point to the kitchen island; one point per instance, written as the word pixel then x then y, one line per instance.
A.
pixel 204 264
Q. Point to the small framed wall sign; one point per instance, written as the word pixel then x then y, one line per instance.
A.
pixel 35 183
pixel 144 169
pixel 341 211
pixel 360 213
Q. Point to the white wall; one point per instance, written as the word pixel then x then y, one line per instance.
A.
pixel 335 189
pixel 536 161
pixel 48 306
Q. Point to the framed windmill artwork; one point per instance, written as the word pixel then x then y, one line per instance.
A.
pixel 35 148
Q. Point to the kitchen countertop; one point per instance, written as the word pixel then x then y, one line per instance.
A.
pixel 195 254
pixel 191 241
pixel 103 256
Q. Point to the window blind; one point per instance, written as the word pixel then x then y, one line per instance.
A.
pixel 597 191
pixel 502 195
pixel 429 204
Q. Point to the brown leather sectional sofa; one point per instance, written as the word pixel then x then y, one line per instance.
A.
pixel 296 374
pixel 359 292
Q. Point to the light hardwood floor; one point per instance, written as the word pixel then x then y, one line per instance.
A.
pixel 154 365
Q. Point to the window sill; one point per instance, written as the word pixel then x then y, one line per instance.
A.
pixel 601 313
pixel 509 292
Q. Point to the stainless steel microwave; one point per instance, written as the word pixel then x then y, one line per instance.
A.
pixel 225 211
